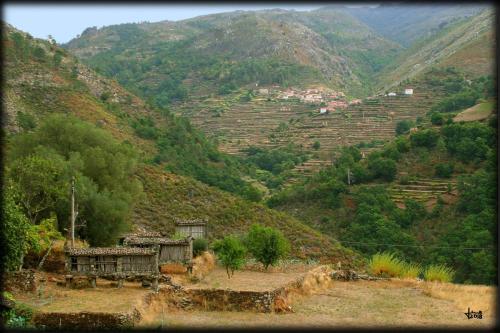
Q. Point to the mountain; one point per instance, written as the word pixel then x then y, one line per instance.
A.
pixel 405 23
pixel 218 53
pixel 43 79
pixel 467 43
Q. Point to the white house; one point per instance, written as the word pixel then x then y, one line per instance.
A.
pixel 391 94
pixel 408 91
pixel 322 110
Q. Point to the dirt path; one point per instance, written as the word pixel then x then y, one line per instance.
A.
pixel 346 304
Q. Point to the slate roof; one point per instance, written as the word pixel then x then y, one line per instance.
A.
pixel 183 222
pixel 154 240
pixel 99 251
pixel 143 234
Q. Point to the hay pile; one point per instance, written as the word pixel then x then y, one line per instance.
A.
pixel 202 265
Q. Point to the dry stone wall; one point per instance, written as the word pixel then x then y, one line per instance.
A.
pixel 23 280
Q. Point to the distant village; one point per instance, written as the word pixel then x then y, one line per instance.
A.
pixel 327 100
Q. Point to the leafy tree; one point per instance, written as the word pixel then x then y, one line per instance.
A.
pixel 437 119
pixel 266 244
pixel 18 236
pixel 424 138
pixel 403 126
pixel 41 164
pixel 444 170
pixel 231 253
pixel 383 168
pixel 316 145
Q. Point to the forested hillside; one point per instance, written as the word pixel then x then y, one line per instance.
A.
pixel 428 195
pixel 133 164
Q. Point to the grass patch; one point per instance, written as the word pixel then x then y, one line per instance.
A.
pixel 410 271
pixel 386 264
pixel 439 273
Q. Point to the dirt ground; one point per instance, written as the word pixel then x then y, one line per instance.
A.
pixel 350 304
pixel 245 280
pixel 104 298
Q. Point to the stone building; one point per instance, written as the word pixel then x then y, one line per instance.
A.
pixel 170 250
pixel 196 228
pixel 117 262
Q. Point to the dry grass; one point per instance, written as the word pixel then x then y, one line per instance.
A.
pixel 377 304
pixel 104 298
pixel 477 297
pixel 203 265
pixel 244 280
pixel 477 112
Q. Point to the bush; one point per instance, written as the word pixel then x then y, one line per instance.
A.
pixel 231 253
pixel 403 126
pixel 383 168
pixel 316 145
pixel 437 119
pixel 200 245
pixel 386 264
pixel 439 273
pixel 444 170
pixel 266 244
pixel 424 138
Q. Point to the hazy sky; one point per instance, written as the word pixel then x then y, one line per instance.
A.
pixel 64 22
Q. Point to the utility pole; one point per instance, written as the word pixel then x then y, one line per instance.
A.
pixel 348 176
pixel 73 211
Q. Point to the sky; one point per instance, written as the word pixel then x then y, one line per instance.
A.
pixel 64 22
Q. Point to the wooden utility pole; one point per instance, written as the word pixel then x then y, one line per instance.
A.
pixel 348 176
pixel 73 211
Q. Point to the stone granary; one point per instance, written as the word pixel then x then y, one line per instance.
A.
pixel 171 250
pixel 196 228
pixel 117 262
pixel 140 234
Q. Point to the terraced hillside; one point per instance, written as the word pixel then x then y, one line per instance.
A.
pixel 422 190
pixel 270 122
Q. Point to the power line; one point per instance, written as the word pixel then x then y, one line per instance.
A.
pixel 432 246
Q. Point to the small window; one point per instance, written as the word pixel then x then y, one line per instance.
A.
pixel 74 264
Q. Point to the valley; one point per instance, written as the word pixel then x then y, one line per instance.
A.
pixel 333 154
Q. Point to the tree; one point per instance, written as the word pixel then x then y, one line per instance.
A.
pixel 403 126
pixel 199 246
pixel 41 163
pixel 425 138
pixel 266 244
pixel 383 168
pixel 231 253
pixel 18 236
pixel 316 145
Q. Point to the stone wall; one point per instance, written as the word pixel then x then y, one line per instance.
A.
pixel 23 280
pixel 85 320
pixel 228 300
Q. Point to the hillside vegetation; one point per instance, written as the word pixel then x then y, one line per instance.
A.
pixel 46 88
pixel 169 61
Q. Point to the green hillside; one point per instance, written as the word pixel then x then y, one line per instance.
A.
pixel 171 61
pixel 46 88
pixel 426 195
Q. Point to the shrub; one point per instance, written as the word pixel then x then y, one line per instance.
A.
pixel 444 170
pixel 403 126
pixel 386 264
pixel 266 244
pixel 424 138
pixel 439 273
pixel 383 168
pixel 200 245
pixel 316 145
pixel 231 253
pixel 437 119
